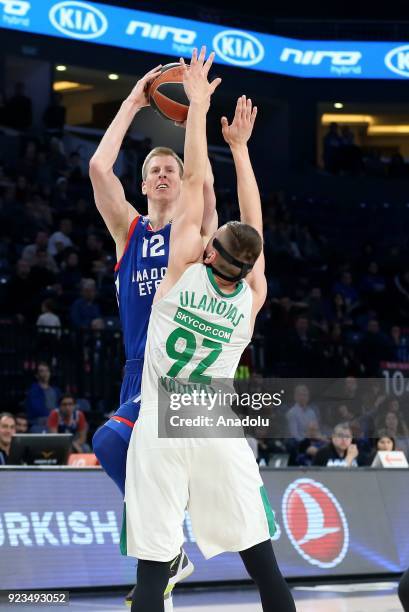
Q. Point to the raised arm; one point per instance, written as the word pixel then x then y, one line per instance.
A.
pixel 186 245
pixel 109 195
pixel 210 218
pixel 237 135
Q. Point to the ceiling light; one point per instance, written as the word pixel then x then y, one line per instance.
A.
pixel 61 68
pixel 113 76
pixel 338 105
pixel 328 118
pixel 380 130
pixel 70 86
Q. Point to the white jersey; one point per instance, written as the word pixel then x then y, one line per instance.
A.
pixel 196 332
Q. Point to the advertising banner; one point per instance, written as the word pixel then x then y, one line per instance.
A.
pixel 174 36
pixel 61 527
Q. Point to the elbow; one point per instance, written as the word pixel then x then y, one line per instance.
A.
pixel 96 168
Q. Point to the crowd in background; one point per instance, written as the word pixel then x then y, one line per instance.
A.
pixel 329 312
pixel 341 155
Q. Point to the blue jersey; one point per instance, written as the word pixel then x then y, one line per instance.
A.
pixel 137 276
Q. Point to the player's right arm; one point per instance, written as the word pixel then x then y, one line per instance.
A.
pixel 237 135
pixel 186 244
pixel 109 195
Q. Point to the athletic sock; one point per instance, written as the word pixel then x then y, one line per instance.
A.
pixel 151 582
pixel 261 564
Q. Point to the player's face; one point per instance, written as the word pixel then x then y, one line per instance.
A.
pixel 163 180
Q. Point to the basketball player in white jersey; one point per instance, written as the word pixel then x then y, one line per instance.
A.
pixel 217 480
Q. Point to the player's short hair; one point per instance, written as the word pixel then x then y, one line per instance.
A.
pixel 243 242
pixel 161 152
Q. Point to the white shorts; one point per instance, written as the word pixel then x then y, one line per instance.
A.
pixel 216 480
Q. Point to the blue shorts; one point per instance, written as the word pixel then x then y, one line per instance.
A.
pixel 130 400
pixel 111 441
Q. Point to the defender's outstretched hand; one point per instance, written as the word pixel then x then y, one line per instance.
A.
pixel 138 95
pixel 241 128
pixel 195 82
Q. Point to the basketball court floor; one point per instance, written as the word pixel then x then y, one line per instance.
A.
pixel 364 597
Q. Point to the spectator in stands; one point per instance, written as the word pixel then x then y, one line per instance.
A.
pixel 373 282
pixel 301 414
pixel 316 309
pixel 383 442
pixel 60 240
pixel 345 287
pixel 56 158
pixel 7 431
pixel 22 423
pixel 397 167
pixel 84 310
pixel 41 396
pixel 70 276
pixel 397 429
pixel 344 414
pixel 400 295
pixel 61 201
pixel 338 311
pixel 300 347
pixel 21 290
pixel 399 345
pixel 373 348
pixel 30 251
pixel 92 252
pixel 311 444
pixel 19 109
pixel 48 318
pixel 340 452
pixel 54 116
pixel 67 418
pixel 74 170
pixel 332 143
pixel 27 166
pixel 42 271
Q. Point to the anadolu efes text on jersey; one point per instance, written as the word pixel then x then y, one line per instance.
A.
pixel 196 332
pixel 137 276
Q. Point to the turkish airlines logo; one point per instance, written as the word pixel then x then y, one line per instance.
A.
pixel 315 523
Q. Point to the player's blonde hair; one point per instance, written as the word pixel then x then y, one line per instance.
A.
pixel 161 152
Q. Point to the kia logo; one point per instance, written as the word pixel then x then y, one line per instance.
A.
pixel 315 523
pixel 78 19
pixel 238 48
pixel 397 60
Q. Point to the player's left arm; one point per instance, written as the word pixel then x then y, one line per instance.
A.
pixel 210 218
pixel 237 135
pixel 186 245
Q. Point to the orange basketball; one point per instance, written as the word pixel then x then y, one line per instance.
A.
pixel 167 95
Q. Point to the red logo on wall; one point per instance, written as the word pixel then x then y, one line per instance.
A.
pixel 315 523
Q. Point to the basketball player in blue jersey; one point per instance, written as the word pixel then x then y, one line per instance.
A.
pixel 216 479
pixel 142 245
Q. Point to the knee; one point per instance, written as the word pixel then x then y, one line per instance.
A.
pixel 99 441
